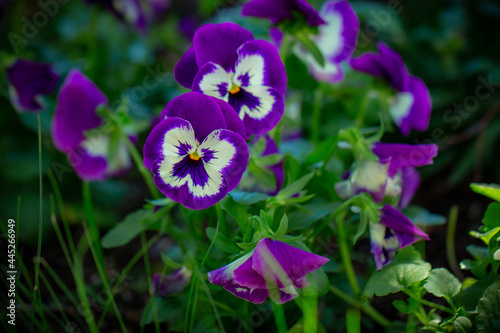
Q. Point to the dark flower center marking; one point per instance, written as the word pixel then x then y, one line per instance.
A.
pixel 243 97
pixel 192 167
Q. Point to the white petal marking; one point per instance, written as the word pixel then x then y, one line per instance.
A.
pixel 266 103
pixel 211 83
pixel 253 66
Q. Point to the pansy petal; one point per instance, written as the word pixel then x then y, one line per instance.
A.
pixel 223 275
pixel 406 232
pixel 213 80
pixel 283 295
pixel 227 153
pixel 28 81
pixel 256 296
pixel 283 264
pixel 410 181
pixel 381 251
pixel 165 285
pixel 370 177
pixel 420 110
pixel 78 98
pixel 228 37
pixel 261 108
pixel 88 167
pixel 259 64
pixel 199 110
pixel 172 137
pixel 280 10
pixel 404 156
pixel 233 121
pixel 245 276
pixel 185 70
pixel 337 39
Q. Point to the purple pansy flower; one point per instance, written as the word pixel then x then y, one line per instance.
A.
pixel 272 269
pixel 75 115
pixel 226 62
pixel 336 41
pixel 393 175
pixel 281 10
pixel 394 231
pixel 411 107
pixel 166 285
pixel 29 80
pixel 197 152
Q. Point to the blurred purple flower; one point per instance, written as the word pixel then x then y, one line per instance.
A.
pixel 197 153
pixel 28 81
pixel 281 10
pixel 75 116
pixel 166 285
pixel 272 269
pixel 336 41
pixel 411 107
pixel 188 25
pixel 394 231
pixel 226 62
pixel 393 175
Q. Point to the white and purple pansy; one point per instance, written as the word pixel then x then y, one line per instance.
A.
pixel 89 152
pixel 226 62
pixel 197 153
pixel 166 285
pixel 282 10
pixel 272 269
pixel 411 107
pixel 28 81
pixel 336 40
pixel 394 231
pixel 393 175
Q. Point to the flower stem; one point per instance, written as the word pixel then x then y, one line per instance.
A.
pixel 346 256
pixel 365 307
pixel 279 317
pixel 428 303
pixel 310 311
pixel 221 218
pixel 450 242
pixel 93 227
pixel 316 120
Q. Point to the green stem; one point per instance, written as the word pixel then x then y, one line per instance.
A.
pixel 147 267
pixel 279 317
pixel 316 118
pixel 310 313
pixel 365 307
pixel 221 218
pixel 362 110
pixel 450 242
pixel 345 253
pixel 353 320
pixel 93 227
pixel 145 173
pixel 428 303
pixel 36 293
pixel 285 43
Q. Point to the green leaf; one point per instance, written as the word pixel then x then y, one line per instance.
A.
pixel 491 218
pixel 486 236
pixel 488 318
pixel 421 216
pixel 489 190
pixel 469 297
pixel 160 202
pixel 395 277
pixel 406 307
pixel 221 242
pixel 462 325
pixel 311 47
pixel 268 160
pixel 318 283
pixel 363 223
pixel 237 211
pixel 247 198
pixel 322 151
pixel 408 254
pixel 283 227
pixel 442 283
pixel 312 212
pixel 128 229
pixel 294 187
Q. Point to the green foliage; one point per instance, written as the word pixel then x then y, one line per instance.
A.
pixel 488 318
pixel 442 283
pixel 490 190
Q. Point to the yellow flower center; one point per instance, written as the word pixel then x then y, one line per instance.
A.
pixel 194 156
pixel 234 89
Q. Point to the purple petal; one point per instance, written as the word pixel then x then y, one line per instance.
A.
pixel 283 295
pixel 420 111
pixel 404 156
pixel 29 80
pixel 199 110
pixel 410 183
pixel 165 285
pixel 218 43
pixel 261 62
pixel 283 265
pixel 176 132
pixel 276 37
pixel 387 65
pixel 87 167
pixel 256 296
pixel 75 111
pixel 280 10
pixel 186 69
pixel 232 119
pixel 370 177
pixel 406 232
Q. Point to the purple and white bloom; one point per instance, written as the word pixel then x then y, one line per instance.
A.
pixel 394 231
pixel 336 40
pixel 282 10
pixel 89 152
pixel 228 63
pixel 197 153
pixel 411 107
pixel 272 269
pixel 30 80
pixel 393 175
pixel 166 285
